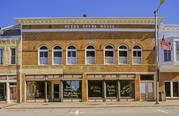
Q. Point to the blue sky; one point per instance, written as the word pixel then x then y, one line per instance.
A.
pixel 9 9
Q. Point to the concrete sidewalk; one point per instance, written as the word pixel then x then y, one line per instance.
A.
pixel 52 105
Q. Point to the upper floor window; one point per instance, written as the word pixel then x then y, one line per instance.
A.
pixel 43 55
pixel 109 55
pixel 137 55
pixel 167 55
pixel 57 55
pixel 123 55
pixel 1 56
pixel 177 51
pixel 90 55
pixel 13 56
pixel 71 55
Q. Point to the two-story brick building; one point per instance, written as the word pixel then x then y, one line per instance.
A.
pixel 169 61
pixel 9 63
pixel 88 59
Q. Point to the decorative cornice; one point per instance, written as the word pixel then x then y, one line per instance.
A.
pixel 86 20
pixel 169 27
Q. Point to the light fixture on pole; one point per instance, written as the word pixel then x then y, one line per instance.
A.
pixel 156 52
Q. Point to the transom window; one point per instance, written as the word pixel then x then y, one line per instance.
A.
pixel 90 55
pixel 57 55
pixel 43 55
pixel 71 54
pixel 109 55
pixel 123 55
pixel 177 51
pixel 1 56
pixel 167 55
pixel 137 55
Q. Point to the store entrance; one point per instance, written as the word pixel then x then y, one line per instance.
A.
pixel 147 91
pixel 56 92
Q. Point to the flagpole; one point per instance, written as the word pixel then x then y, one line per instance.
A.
pixel 157 52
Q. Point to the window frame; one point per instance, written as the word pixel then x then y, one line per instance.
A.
pixel 2 56
pixel 175 50
pixel 43 51
pixel 133 54
pixel 57 50
pixel 67 50
pixel 11 56
pixel 86 50
pixel 127 50
pixel 168 54
pixel 113 50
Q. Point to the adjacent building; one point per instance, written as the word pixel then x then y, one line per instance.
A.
pixel 169 61
pixel 88 59
pixel 9 63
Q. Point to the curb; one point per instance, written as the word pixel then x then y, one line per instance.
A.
pixel 81 107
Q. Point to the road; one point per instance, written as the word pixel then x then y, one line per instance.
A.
pixel 115 111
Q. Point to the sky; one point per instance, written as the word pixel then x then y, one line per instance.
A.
pixel 11 9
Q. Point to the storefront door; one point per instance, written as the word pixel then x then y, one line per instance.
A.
pixel 56 92
pixel 147 91
pixel 13 92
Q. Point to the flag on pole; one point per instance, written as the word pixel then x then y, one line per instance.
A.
pixel 161 2
pixel 165 44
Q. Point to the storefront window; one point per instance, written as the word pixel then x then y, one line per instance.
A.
pixel 36 90
pixel 127 88
pixel 111 89
pixel 167 89
pixel 2 91
pixel 72 89
pixel 94 88
pixel 175 89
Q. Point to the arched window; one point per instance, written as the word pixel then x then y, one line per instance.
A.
pixel 43 55
pixel 137 55
pixel 90 55
pixel 57 55
pixel 109 55
pixel 71 55
pixel 123 55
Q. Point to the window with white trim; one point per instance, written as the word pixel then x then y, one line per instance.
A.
pixel 137 55
pixel 90 55
pixel 57 55
pixel 13 55
pixel 109 55
pixel 71 55
pixel 177 51
pixel 1 55
pixel 43 55
pixel 123 55
pixel 167 55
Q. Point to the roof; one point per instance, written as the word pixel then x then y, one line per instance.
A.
pixel 86 20
pixel 10 31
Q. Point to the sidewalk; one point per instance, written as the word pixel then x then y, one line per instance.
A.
pixel 52 105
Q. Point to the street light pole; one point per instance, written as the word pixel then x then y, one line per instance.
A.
pixel 157 52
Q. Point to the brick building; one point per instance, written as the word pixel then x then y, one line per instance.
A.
pixel 9 63
pixel 88 59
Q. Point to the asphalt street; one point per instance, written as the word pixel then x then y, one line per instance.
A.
pixel 115 111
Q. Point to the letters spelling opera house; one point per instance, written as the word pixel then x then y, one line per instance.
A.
pixel 87 59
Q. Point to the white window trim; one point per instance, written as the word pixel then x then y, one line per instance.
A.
pixel 86 54
pixel 11 55
pixel 61 50
pixel 133 55
pixel 67 55
pixel 39 55
pixel 127 50
pixel 175 54
pixel 113 55
pixel 171 88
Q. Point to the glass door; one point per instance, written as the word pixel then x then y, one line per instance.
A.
pixel 56 92
pixel 13 92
